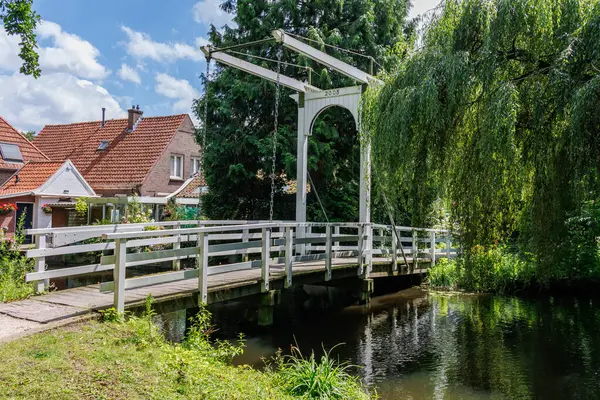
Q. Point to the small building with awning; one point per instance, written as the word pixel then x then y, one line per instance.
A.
pixel 43 193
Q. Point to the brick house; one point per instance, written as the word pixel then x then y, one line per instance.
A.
pixel 148 156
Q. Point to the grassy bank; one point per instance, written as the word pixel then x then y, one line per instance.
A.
pixel 132 360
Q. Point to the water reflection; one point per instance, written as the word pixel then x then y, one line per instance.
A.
pixel 414 345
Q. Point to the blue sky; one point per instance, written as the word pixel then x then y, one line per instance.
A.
pixel 112 54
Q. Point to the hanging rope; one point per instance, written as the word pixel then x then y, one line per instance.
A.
pixel 312 185
pixel 276 128
pixel 204 131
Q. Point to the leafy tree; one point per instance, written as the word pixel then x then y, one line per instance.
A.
pixel 240 106
pixel 19 18
pixel 30 135
pixel 498 115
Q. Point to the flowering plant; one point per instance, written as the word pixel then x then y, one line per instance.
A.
pixel 46 208
pixel 7 208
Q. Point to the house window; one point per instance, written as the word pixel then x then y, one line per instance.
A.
pixel 11 153
pixel 176 167
pixel 103 145
pixel 194 165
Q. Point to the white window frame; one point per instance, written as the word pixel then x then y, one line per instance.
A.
pixel 173 166
pixel 193 162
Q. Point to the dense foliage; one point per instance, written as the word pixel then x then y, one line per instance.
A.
pixel 19 18
pixel 241 106
pixel 14 266
pixel 497 115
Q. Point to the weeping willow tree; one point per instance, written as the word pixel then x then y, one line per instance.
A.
pixel 497 115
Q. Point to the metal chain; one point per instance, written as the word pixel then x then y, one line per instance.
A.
pixel 204 131
pixel 276 128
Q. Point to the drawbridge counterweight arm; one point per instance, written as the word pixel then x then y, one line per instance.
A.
pixel 323 58
pixel 259 71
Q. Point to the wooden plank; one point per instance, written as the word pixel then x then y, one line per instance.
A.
pixel 149 280
pixel 66 272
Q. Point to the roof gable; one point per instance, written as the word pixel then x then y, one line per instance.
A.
pixel 30 152
pixel 128 157
pixel 47 178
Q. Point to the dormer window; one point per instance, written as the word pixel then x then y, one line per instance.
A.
pixel 10 153
pixel 103 145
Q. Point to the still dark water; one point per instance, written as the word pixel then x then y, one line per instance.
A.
pixel 415 345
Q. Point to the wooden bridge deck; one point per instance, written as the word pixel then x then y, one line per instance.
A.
pixel 70 303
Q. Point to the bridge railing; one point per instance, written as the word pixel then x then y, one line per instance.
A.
pixel 226 246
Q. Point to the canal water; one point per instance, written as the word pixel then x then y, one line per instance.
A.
pixel 418 345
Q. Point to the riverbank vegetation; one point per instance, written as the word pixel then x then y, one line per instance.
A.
pixel 497 117
pixel 119 359
pixel 13 266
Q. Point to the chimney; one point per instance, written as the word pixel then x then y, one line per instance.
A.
pixel 134 114
pixel 103 116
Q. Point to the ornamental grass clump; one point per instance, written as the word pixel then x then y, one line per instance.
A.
pixel 325 378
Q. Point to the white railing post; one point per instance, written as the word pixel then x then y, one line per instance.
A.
pixel 177 246
pixel 245 239
pixel 361 243
pixel 308 235
pixel 336 232
pixel 328 252
pixel 415 250
pixel 266 255
pixel 202 268
pixel 369 248
pixel 119 274
pixel 394 251
pixel 433 248
pixel 448 245
pixel 289 256
pixel 40 264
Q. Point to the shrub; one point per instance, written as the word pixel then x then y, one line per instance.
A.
pixel 308 378
pixel 491 269
pixel 14 266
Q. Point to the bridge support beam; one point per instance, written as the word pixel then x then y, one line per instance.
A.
pixel 266 306
pixel 366 290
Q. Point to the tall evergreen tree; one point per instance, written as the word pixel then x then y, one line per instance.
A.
pixel 240 106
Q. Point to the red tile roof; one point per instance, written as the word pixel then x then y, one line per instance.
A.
pixel 189 189
pixel 31 176
pixel 8 134
pixel 129 156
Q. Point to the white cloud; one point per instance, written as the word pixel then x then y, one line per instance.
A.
pixel 421 6
pixel 201 41
pixel 141 46
pixel 127 73
pixel 54 98
pixel 9 50
pixel 70 53
pixel 179 90
pixel 209 12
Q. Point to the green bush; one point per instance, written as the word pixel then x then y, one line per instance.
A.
pixel 14 266
pixel 492 269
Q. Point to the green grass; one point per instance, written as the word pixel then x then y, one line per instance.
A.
pixel 310 378
pixel 132 360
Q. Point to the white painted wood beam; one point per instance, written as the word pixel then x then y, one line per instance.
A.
pixel 259 71
pixel 323 58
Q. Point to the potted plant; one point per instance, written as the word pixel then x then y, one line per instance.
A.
pixel 47 209
pixel 7 208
